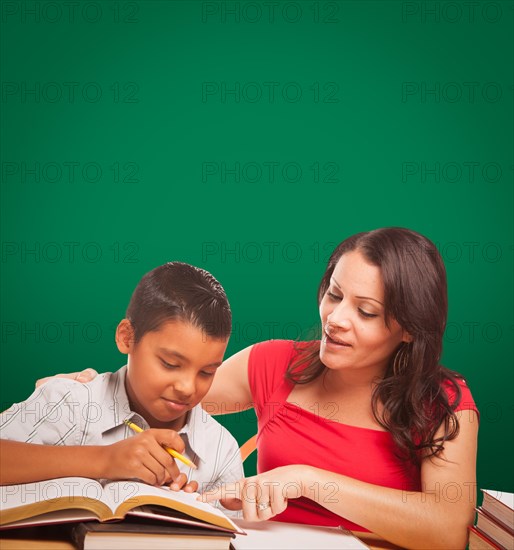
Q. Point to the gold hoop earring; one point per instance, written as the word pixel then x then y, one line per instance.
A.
pixel 401 360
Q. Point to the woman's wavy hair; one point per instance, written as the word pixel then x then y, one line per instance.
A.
pixel 413 398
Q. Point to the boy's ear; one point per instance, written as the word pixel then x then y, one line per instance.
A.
pixel 125 336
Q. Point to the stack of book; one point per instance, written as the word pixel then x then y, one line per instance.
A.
pixel 143 516
pixel 494 527
pixel 126 515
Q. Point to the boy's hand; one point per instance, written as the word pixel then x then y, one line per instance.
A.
pixel 83 376
pixel 181 484
pixel 143 457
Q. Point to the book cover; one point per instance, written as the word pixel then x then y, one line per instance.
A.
pixel 141 534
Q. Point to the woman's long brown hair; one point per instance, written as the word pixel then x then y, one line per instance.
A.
pixel 414 402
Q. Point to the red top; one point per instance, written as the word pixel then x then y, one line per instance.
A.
pixel 288 434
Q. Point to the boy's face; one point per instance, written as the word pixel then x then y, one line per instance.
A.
pixel 169 370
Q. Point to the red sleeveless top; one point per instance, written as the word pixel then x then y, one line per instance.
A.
pixel 288 434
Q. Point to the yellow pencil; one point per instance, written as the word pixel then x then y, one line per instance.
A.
pixel 173 453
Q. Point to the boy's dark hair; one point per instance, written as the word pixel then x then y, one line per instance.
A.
pixel 179 291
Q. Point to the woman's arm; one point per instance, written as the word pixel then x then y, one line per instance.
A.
pixel 435 517
pixel 230 390
pixel 229 393
pixel 83 377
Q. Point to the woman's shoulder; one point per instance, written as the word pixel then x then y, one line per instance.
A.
pixel 277 351
pixel 458 393
pixel 271 353
pixel 267 364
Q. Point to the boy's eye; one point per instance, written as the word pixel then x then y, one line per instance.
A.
pixel 207 374
pixel 168 365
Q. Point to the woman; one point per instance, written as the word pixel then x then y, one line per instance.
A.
pixel 364 428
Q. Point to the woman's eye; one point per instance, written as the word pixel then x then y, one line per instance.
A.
pixel 333 296
pixel 367 315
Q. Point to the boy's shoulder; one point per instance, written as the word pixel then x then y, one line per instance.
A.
pixel 98 386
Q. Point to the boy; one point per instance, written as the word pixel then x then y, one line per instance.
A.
pixel 175 334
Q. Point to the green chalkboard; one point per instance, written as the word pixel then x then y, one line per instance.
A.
pixel 249 138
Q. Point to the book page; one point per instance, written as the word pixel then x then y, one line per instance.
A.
pixel 293 536
pixel 172 516
pixel 62 516
pixel 66 488
pixel 125 495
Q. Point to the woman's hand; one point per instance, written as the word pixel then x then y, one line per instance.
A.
pixel 262 496
pixel 83 376
pixel 143 457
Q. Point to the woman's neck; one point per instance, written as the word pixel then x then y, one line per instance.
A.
pixel 350 381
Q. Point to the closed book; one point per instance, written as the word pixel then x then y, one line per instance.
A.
pixel 494 530
pixel 140 534
pixel 500 506
pixel 478 541
pixel 46 537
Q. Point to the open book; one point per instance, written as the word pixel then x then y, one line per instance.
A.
pixel 71 499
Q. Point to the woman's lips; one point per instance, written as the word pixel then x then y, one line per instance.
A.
pixel 336 343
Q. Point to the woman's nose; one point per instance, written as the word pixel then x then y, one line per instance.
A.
pixel 340 316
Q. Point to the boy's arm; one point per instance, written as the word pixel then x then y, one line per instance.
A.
pixel 28 462
pixel 139 457
pixel 44 437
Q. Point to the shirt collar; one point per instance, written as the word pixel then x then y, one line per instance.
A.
pixel 195 429
pixel 116 399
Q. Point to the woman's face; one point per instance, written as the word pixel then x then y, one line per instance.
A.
pixel 355 335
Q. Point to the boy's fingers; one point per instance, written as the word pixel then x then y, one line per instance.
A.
pixel 175 442
pixel 156 455
pixel 191 487
pixel 155 472
pixel 170 439
pixel 167 462
pixel 179 482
